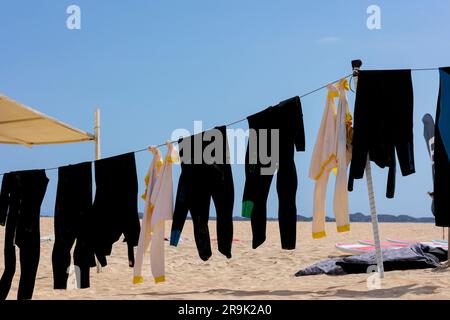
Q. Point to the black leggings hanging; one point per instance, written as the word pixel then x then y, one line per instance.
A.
pixel 197 185
pixel 115 208
pixel 72 218
pixel 286 119
pixel 21 197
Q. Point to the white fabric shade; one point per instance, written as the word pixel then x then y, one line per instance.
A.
pixel 20 124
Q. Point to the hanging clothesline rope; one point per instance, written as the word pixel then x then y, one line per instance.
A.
pixel 227 125
pixel 244 119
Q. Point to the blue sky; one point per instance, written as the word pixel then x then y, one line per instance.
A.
pixel 154 66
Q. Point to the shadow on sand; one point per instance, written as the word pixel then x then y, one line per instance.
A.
pixel 389 293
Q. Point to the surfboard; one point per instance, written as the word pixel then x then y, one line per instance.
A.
pixel 383 244
pixel 445 242
pixel 358 248
pixel 401 241
pixel 433 243
pixel 428 134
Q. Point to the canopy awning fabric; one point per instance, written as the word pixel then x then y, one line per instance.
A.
pixel 22 125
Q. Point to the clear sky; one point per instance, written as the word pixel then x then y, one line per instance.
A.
pixel 155 66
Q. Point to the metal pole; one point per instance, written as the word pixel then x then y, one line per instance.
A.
pixel 356 64
pixel 373 213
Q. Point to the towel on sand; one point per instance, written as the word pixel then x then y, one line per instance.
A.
pixel 417 256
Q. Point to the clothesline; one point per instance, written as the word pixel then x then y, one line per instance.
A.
pixel 244 119
pixel 227 125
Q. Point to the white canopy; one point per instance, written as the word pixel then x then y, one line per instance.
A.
pixel 20 124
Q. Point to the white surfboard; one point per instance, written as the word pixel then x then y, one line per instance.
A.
pixel 433 243
pixel 358 248
pixel 383 244
pixel 444 242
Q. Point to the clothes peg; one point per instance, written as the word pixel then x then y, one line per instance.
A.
pixel 172 156
pixel 151 149
pixel 333 92
pixel 343 83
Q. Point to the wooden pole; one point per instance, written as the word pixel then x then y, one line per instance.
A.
pixel 98 153
pixel 98 156
pixel 356 65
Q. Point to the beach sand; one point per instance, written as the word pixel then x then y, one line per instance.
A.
pixel 264 273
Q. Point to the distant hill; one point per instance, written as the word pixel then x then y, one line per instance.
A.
pixel 354 217
pixel 360 217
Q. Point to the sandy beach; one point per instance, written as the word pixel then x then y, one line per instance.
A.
pixel 265 273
